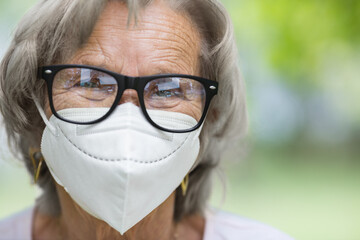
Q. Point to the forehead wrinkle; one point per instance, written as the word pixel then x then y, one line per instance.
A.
pixel 172 40
pixel 176 31
pixel 178 44
pixel 172 66
pixel 171 35
pixel 169 26
pixel 173 48
pixel 179 58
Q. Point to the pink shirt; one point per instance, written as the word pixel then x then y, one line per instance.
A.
pixel 219 226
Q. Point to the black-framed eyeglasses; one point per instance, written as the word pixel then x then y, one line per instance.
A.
pixel 166 95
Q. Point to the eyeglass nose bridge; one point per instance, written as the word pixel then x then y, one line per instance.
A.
pixel 125 83
pixel 130 82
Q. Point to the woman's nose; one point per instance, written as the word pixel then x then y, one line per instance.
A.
pixel 130 95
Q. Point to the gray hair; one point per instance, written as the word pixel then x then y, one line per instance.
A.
pixel 53 30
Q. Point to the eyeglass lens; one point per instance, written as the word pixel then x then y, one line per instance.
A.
pixel 174 98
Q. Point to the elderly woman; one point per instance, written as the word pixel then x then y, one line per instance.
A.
pixel 106 103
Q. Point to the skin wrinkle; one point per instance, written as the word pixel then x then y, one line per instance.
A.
pixel 167 42
pixel 107 59
pixel 85 57
pixel 176 49
pixel 162 42
pixel 187 38
pixel 163 22
pixel 145 27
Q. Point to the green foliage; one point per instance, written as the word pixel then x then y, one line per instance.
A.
pixel 295 37
pixel 309 193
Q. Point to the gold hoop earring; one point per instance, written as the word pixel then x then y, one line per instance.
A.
pixel 184 184
pixel 36 156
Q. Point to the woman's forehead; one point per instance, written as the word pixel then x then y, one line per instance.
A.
pixel 162 40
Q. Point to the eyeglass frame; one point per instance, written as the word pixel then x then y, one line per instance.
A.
pixel 124 82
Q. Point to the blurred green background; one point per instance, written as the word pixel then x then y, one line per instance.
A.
pixel 299 168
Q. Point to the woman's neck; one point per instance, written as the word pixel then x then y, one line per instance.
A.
pixel 76 224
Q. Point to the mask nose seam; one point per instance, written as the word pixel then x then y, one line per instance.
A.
pixel 126 194
pixel 125 159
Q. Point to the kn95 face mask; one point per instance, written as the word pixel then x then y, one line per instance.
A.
pixel 121 168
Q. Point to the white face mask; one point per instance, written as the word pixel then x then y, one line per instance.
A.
pixel 122 168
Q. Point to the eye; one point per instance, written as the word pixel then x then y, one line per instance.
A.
pixel 166 88
pixel 167 93
pixel 94 82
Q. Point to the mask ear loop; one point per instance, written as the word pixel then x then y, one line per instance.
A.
pixel 43 116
